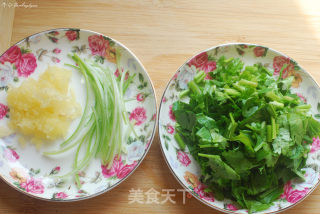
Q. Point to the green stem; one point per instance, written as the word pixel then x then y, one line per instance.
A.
pixel 199 76
pixel 194 87
pixel 274 128
pixel 179 140
pixel 184 93
pixel 277 104
pixel 271 95
pixel 248 83
pixel 232 92
pixel 269 133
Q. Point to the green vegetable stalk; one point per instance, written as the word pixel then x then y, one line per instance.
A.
pixel 104 126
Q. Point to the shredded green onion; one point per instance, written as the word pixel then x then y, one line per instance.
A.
pixel 104 126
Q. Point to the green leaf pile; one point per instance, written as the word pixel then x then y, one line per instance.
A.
pixel 248 132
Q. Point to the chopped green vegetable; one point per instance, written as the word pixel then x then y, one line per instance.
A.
pixel 248 132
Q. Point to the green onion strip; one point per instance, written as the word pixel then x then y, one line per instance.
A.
pixel 104 126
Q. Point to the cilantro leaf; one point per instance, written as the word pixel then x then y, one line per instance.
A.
pixel 249 133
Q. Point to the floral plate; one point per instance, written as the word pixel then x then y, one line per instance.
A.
pixel 25 168
pixel 186 169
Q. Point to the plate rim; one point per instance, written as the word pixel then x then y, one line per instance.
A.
pixel 150 141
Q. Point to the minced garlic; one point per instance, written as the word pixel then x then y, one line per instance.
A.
pixel 43 109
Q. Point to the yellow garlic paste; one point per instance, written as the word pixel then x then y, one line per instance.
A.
pixel 43 109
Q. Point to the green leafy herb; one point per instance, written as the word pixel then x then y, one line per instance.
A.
pixel 248 132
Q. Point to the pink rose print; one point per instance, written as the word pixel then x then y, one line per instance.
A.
pixel 116 165
pixel 55 59
pixel 183 158
pixel 72 35
pixel 125 170
pixel 117 169
pixel 27 64
pixel 140 97
pixel 232 207
pixel 55 170
pixel 12 55
pixel 61 195
pixel 171 115
pixel 293 196
pixel 117 74
pixel 259 51
pixel 278 62
pixel 154 116
pixel 164 99
pixel 202 194
pixel 175 76
pixel 315 145
pixel 201 62
pixel 170 129
pixel 240 51
pixel 210 66
pixel 302 97
pixel 107 172
pixel 55 33
pixel 11 155
pixel 139 115
pixel 296 195
pixel 81 194
pixel 3 110
pixel 33 186
pixel 53 39
pixel 98 45
pixel 56 50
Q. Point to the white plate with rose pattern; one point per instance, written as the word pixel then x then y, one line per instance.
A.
pixel 186 169
pixel 24 167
